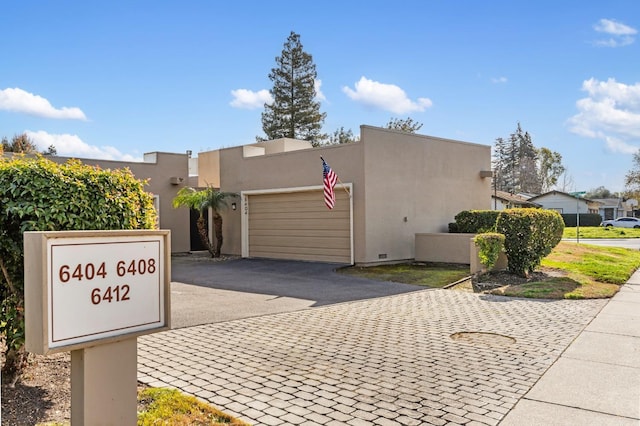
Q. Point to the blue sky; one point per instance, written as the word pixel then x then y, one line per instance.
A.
pixel 120 78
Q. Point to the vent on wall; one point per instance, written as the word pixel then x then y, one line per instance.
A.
pixel 175 180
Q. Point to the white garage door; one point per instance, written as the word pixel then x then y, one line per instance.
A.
pixel 298 225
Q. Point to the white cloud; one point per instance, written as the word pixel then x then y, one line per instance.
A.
pixel 621 34
pixel 72 146
pixel 18 100
pixel 499 80
pixel 248 99
pixel 387 97
pixel 319 95
pixel 611 112
pixel 617 145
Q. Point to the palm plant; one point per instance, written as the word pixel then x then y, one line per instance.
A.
pixel 202 200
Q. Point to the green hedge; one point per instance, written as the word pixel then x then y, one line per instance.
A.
pixel 39 195
pixel 476 221
pixel 530 235
pixel 586 219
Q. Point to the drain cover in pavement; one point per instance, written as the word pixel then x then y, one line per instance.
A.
pixel 480 338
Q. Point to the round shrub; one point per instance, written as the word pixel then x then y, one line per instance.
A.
pixel 530 235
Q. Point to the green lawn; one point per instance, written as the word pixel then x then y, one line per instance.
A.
pixel 589 272
pixel 575 271
pixel 435 275
pixel 171 407
pixel 601 232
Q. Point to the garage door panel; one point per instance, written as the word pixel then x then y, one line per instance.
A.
pixel 308 233
pixel 299 226
pixel 297 215
pixel 288 252
pixel 299 242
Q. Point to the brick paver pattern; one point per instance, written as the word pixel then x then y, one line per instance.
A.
pixel 386 361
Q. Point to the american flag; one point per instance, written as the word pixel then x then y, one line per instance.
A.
pixel 329 179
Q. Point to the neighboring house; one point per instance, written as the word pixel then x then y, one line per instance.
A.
pixel 501 200
pixel 613 208
pixel 165 173
pixel 565 203
pixel 392 186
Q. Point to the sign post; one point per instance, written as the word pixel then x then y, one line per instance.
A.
pixel 92 293
pixel 578 195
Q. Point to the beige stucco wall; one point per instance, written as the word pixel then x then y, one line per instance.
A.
pixel 209 169
pixel 282 170
pixel 417 184
pixel 443 247
pixel 158 168
pixel 453 248
pixel 403 184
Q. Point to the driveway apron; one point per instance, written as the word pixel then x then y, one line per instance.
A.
pixel 421 357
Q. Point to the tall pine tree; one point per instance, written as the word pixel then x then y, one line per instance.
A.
pixel 294 112
pixel 527 168
pixel 519 167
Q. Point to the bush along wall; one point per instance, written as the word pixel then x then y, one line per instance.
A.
pixel 490 244
pixel 586 219
pixel 39 195
pixel 476 221
pixel 530 235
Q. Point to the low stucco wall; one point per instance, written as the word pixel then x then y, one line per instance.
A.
pixel 443 247
pixel 452 248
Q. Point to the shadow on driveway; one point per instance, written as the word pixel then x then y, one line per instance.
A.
pixel 317 282
pixel 204 291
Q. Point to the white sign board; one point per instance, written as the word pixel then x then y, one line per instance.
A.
pixel 100 285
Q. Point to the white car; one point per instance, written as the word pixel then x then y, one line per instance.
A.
pixel 622 222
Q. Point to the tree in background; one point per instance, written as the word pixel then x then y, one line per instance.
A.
pixel 565 182
pixel 520 167
pixel 342 136
pixel 294 112
pixel 23 144
pixel 203 200
pixel 550 168
pixel 526 170
pixel 632 178
pixel 404 125
pixel 601 192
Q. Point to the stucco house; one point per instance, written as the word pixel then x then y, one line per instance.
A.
pixel 613 208
pixel 501 200
pixel 392 185
pixel 165 173
pixel 565 203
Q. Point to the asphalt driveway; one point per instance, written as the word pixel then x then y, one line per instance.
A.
pixel 204 291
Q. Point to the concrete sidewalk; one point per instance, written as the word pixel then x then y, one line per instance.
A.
pixel 596 380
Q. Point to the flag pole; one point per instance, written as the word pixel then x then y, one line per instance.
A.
pixel 338 177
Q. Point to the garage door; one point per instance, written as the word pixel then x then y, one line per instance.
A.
pixel 298 225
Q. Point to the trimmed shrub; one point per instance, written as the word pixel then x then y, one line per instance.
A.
pixel 530 235
pixel 586 219
pixel 37 194
pixel 477 221
pixel 490 245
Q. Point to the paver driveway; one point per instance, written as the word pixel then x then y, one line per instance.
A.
pixel 394 360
